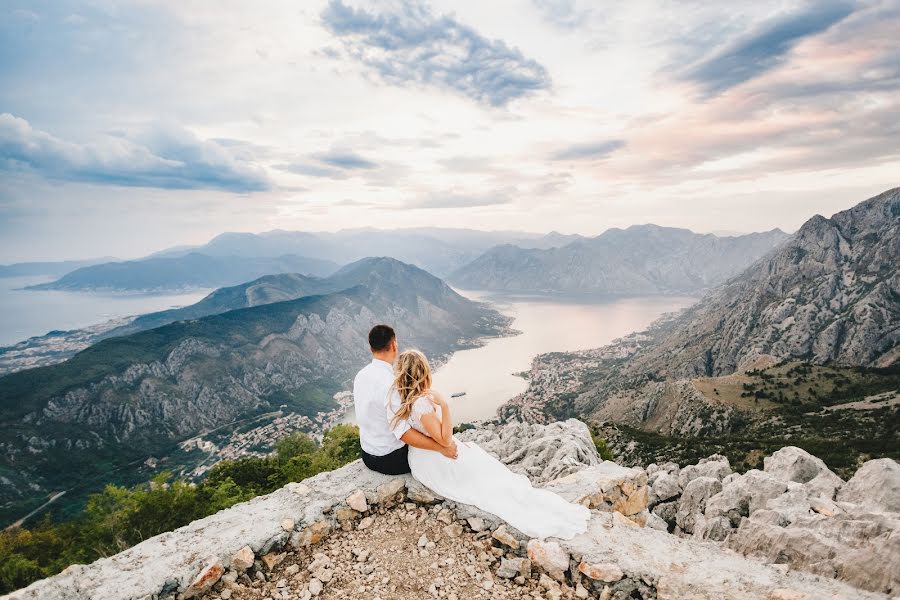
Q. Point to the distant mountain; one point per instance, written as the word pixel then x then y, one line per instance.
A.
pixel 830 295
pixel 193 270
pixel 812 324
pixel 643 259
pixel 275 288
pixel 27 269
pixel 435 249
pixel 126 398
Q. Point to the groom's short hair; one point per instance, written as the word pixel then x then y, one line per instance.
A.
pixel 380 338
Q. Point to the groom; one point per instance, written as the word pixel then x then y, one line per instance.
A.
pixel 385 449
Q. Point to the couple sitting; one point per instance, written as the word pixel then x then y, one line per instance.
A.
pixel 405 426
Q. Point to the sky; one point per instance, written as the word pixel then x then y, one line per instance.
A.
pixel 128 127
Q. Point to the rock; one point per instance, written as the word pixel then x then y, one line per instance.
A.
pixel 272 559
pixel 601 571
pixel 667 511
pixel 581 591
pixel 242 559
pixel 315 586
pixel 453 531
pixel 876 485
pixel 744 495
pixel 550 557
pixel 715 466
pixel 505 537
pixel 514 567
pixel 794 464
pixel 205 579
pixel 714 528
pixel 476 523
pixel 693 500
pixel 664 487
pixel 542 452
pixel 862 548
pixel 365 523
pixel 357 501
pixel 655 522
pixel 606 486
pixel 417 492
pixel 783 594
pixel 313 534
pixel 386 493
pixel 287 524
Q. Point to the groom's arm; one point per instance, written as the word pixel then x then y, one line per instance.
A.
pixel 417 440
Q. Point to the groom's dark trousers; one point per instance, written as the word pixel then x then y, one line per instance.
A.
pixel 395 463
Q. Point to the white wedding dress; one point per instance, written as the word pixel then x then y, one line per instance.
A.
pixel 479 479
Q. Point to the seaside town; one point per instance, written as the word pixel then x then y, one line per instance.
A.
pixel 260 440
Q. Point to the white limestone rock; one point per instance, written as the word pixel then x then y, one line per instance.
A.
pixel 716 466
pixel 607 487
pixel 876 485
pixel 693 501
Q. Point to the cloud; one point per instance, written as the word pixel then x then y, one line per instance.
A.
pixel 311 170
pixel 454 199
pixel 766 47
pixel 562 13
pixel 412 45
pixel 345 160
pixel 591 150
pixel 167 156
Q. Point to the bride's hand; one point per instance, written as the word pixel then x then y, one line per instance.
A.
pixel 438 398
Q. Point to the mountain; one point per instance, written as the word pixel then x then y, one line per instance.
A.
pixel 193 270
pixel 643 259
pixel 803 344
pixel 436 249
pixel 829 295
pixel 277 288
pixel 127 398
pixel 28 269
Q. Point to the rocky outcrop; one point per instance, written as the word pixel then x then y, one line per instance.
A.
pixel 827 295
pixel 787 514
pixel 334 535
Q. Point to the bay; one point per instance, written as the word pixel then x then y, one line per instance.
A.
pixel 489 375
pixel 29 313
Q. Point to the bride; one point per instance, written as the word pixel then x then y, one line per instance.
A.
pixel 475 477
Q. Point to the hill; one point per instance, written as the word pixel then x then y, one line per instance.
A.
pixel 129 398
pixel 643 259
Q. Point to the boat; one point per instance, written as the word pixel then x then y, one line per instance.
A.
pixel 457 394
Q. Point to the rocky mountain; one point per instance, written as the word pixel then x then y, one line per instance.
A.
pixel 127 398
pixel 790 531
pixel 279 288
pixel 802 345
pixel 829 295
pixel 643 259
pixel 193 270
pixel 437 250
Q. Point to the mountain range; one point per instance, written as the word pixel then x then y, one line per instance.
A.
pixel 813 323
pixel 129 397
pixel 189 271
pixel 643 259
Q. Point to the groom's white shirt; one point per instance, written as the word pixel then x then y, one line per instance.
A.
pixel 371 394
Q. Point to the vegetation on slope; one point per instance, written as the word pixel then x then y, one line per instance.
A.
pixel 120 517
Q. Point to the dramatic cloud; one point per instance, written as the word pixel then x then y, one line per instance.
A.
pixel 168 157
pixel 593 150
pixel 766 47
pixel 413 45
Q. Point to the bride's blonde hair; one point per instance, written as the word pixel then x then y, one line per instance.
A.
pixel 412 380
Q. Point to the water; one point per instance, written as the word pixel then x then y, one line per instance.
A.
pixel 27 313
pixel 487 374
